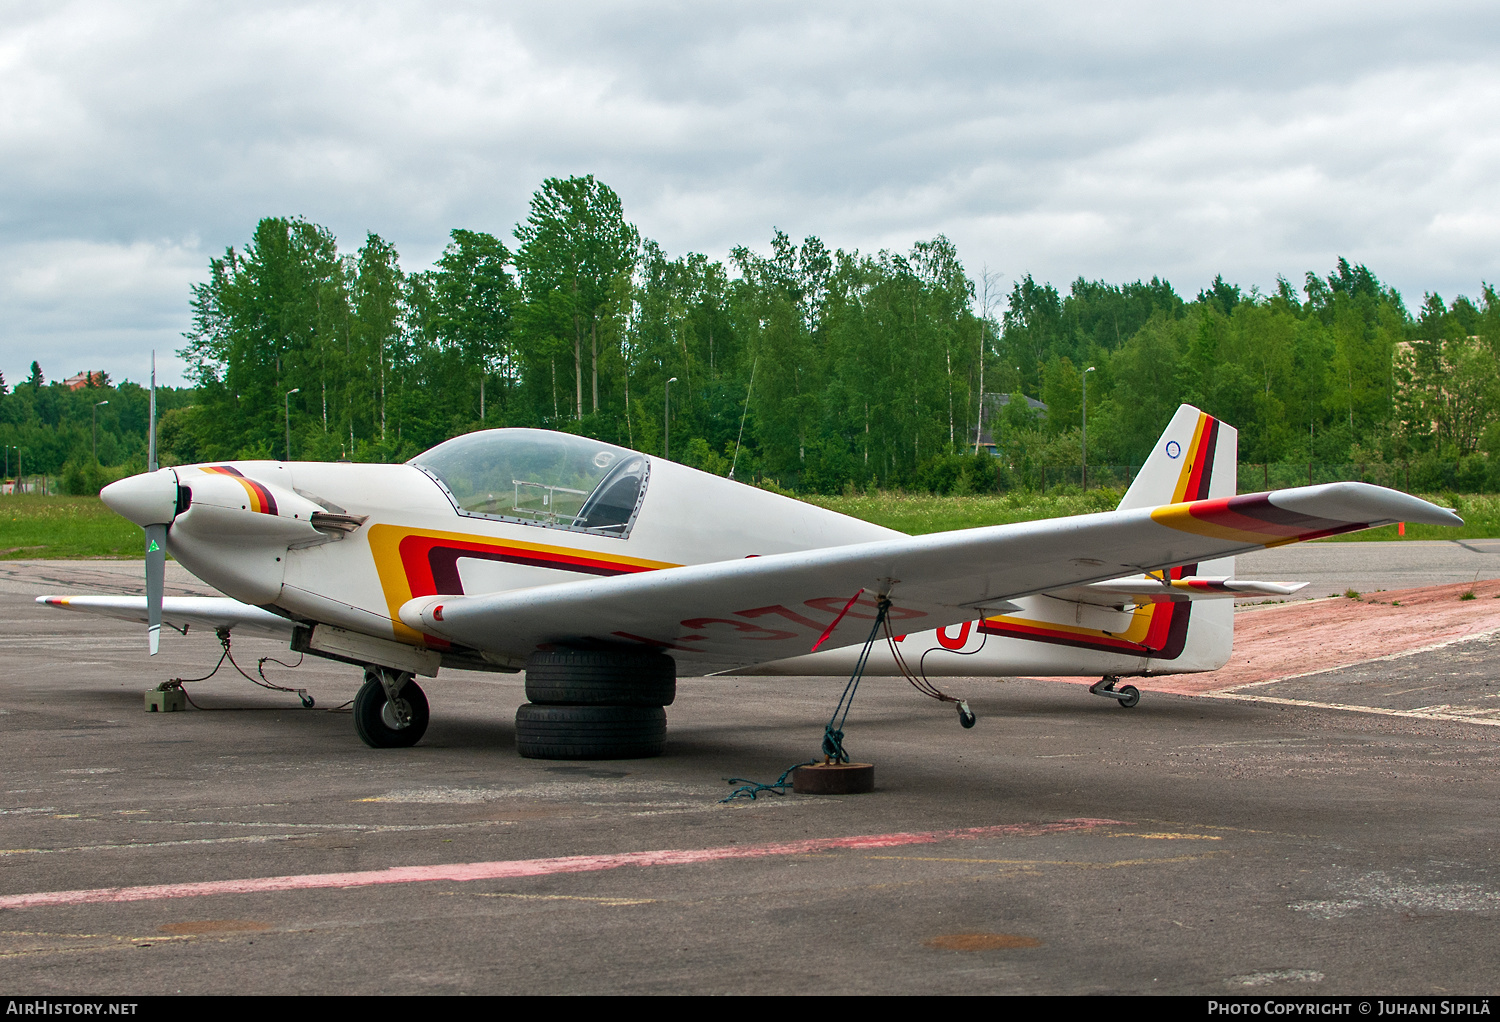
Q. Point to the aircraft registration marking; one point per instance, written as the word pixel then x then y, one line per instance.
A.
pixel 744 630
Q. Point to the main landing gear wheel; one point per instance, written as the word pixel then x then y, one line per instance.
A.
pixel 383 722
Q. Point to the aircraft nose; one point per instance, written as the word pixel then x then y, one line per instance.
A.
pixel 147 499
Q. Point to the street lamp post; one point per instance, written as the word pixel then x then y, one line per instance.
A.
pixel 1086 426
pixel 666 420
pixel 287 401
pixel 96 429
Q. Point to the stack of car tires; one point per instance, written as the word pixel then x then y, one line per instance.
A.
pixel 595 704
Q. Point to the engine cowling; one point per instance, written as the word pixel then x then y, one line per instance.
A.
pixel 225 523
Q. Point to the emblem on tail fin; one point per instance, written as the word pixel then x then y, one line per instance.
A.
pixel 1182 464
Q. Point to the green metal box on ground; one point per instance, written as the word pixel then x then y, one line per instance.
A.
pixel 166 700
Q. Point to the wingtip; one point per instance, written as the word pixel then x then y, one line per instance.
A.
pixel 1364 502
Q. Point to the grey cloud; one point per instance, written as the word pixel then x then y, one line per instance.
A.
pixel 1107 140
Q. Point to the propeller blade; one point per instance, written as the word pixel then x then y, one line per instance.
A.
pixel 156 578
pixel 151 465
pixel 156 537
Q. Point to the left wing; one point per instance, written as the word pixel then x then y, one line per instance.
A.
pixel 212 612
pixel 731 614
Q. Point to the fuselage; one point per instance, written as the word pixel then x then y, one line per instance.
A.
pixel 348 544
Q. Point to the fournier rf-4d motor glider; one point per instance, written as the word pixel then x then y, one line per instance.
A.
pixel 604 573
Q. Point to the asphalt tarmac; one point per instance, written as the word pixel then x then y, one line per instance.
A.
pixel 1366 567
pixel 1190 845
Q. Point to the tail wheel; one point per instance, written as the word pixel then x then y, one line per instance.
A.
pixel 382 724
pixel 1129 696
pixel 590 732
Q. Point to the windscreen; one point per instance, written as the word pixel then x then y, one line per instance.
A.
pixel 538 477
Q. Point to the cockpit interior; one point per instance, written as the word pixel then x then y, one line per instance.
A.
pixel 539 477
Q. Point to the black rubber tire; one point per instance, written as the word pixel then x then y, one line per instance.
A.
pixel 590 732
pixel 370 722
pixel 1129 696
pixel 601 678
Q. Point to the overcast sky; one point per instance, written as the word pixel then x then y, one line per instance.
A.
pixel 1108 140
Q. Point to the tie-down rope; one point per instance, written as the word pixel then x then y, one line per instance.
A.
pixel 833 731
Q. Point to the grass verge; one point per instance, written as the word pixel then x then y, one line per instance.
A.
pixel 917 514
pixel 65 527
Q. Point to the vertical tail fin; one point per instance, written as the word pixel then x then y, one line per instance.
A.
pixel 1196 457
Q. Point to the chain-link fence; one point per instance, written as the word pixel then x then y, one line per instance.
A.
pixel 1053 477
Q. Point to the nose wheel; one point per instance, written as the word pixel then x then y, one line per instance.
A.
pixel 1127 695
pixel 390 710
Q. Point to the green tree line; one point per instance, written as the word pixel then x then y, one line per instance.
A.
pixel 800 366
pixel 49 429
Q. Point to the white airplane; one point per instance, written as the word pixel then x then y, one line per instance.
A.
pixel 604 573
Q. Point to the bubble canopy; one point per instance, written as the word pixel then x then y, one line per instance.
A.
pixel 538 477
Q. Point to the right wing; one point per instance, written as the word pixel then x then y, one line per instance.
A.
pixel 731 614
pixel 212 612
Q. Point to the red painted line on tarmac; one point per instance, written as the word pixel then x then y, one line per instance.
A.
pixel 465 871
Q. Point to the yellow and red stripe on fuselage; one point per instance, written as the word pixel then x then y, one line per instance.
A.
pixel 261 500
pixel 422 562
pixel 1157 630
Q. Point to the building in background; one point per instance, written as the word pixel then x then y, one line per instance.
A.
pixel 81 379
pixel 992 409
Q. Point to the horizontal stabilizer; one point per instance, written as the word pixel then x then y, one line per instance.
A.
pixel 1173 590
pixel 212 612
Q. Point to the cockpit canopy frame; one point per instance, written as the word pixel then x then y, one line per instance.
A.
pixel 542 478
